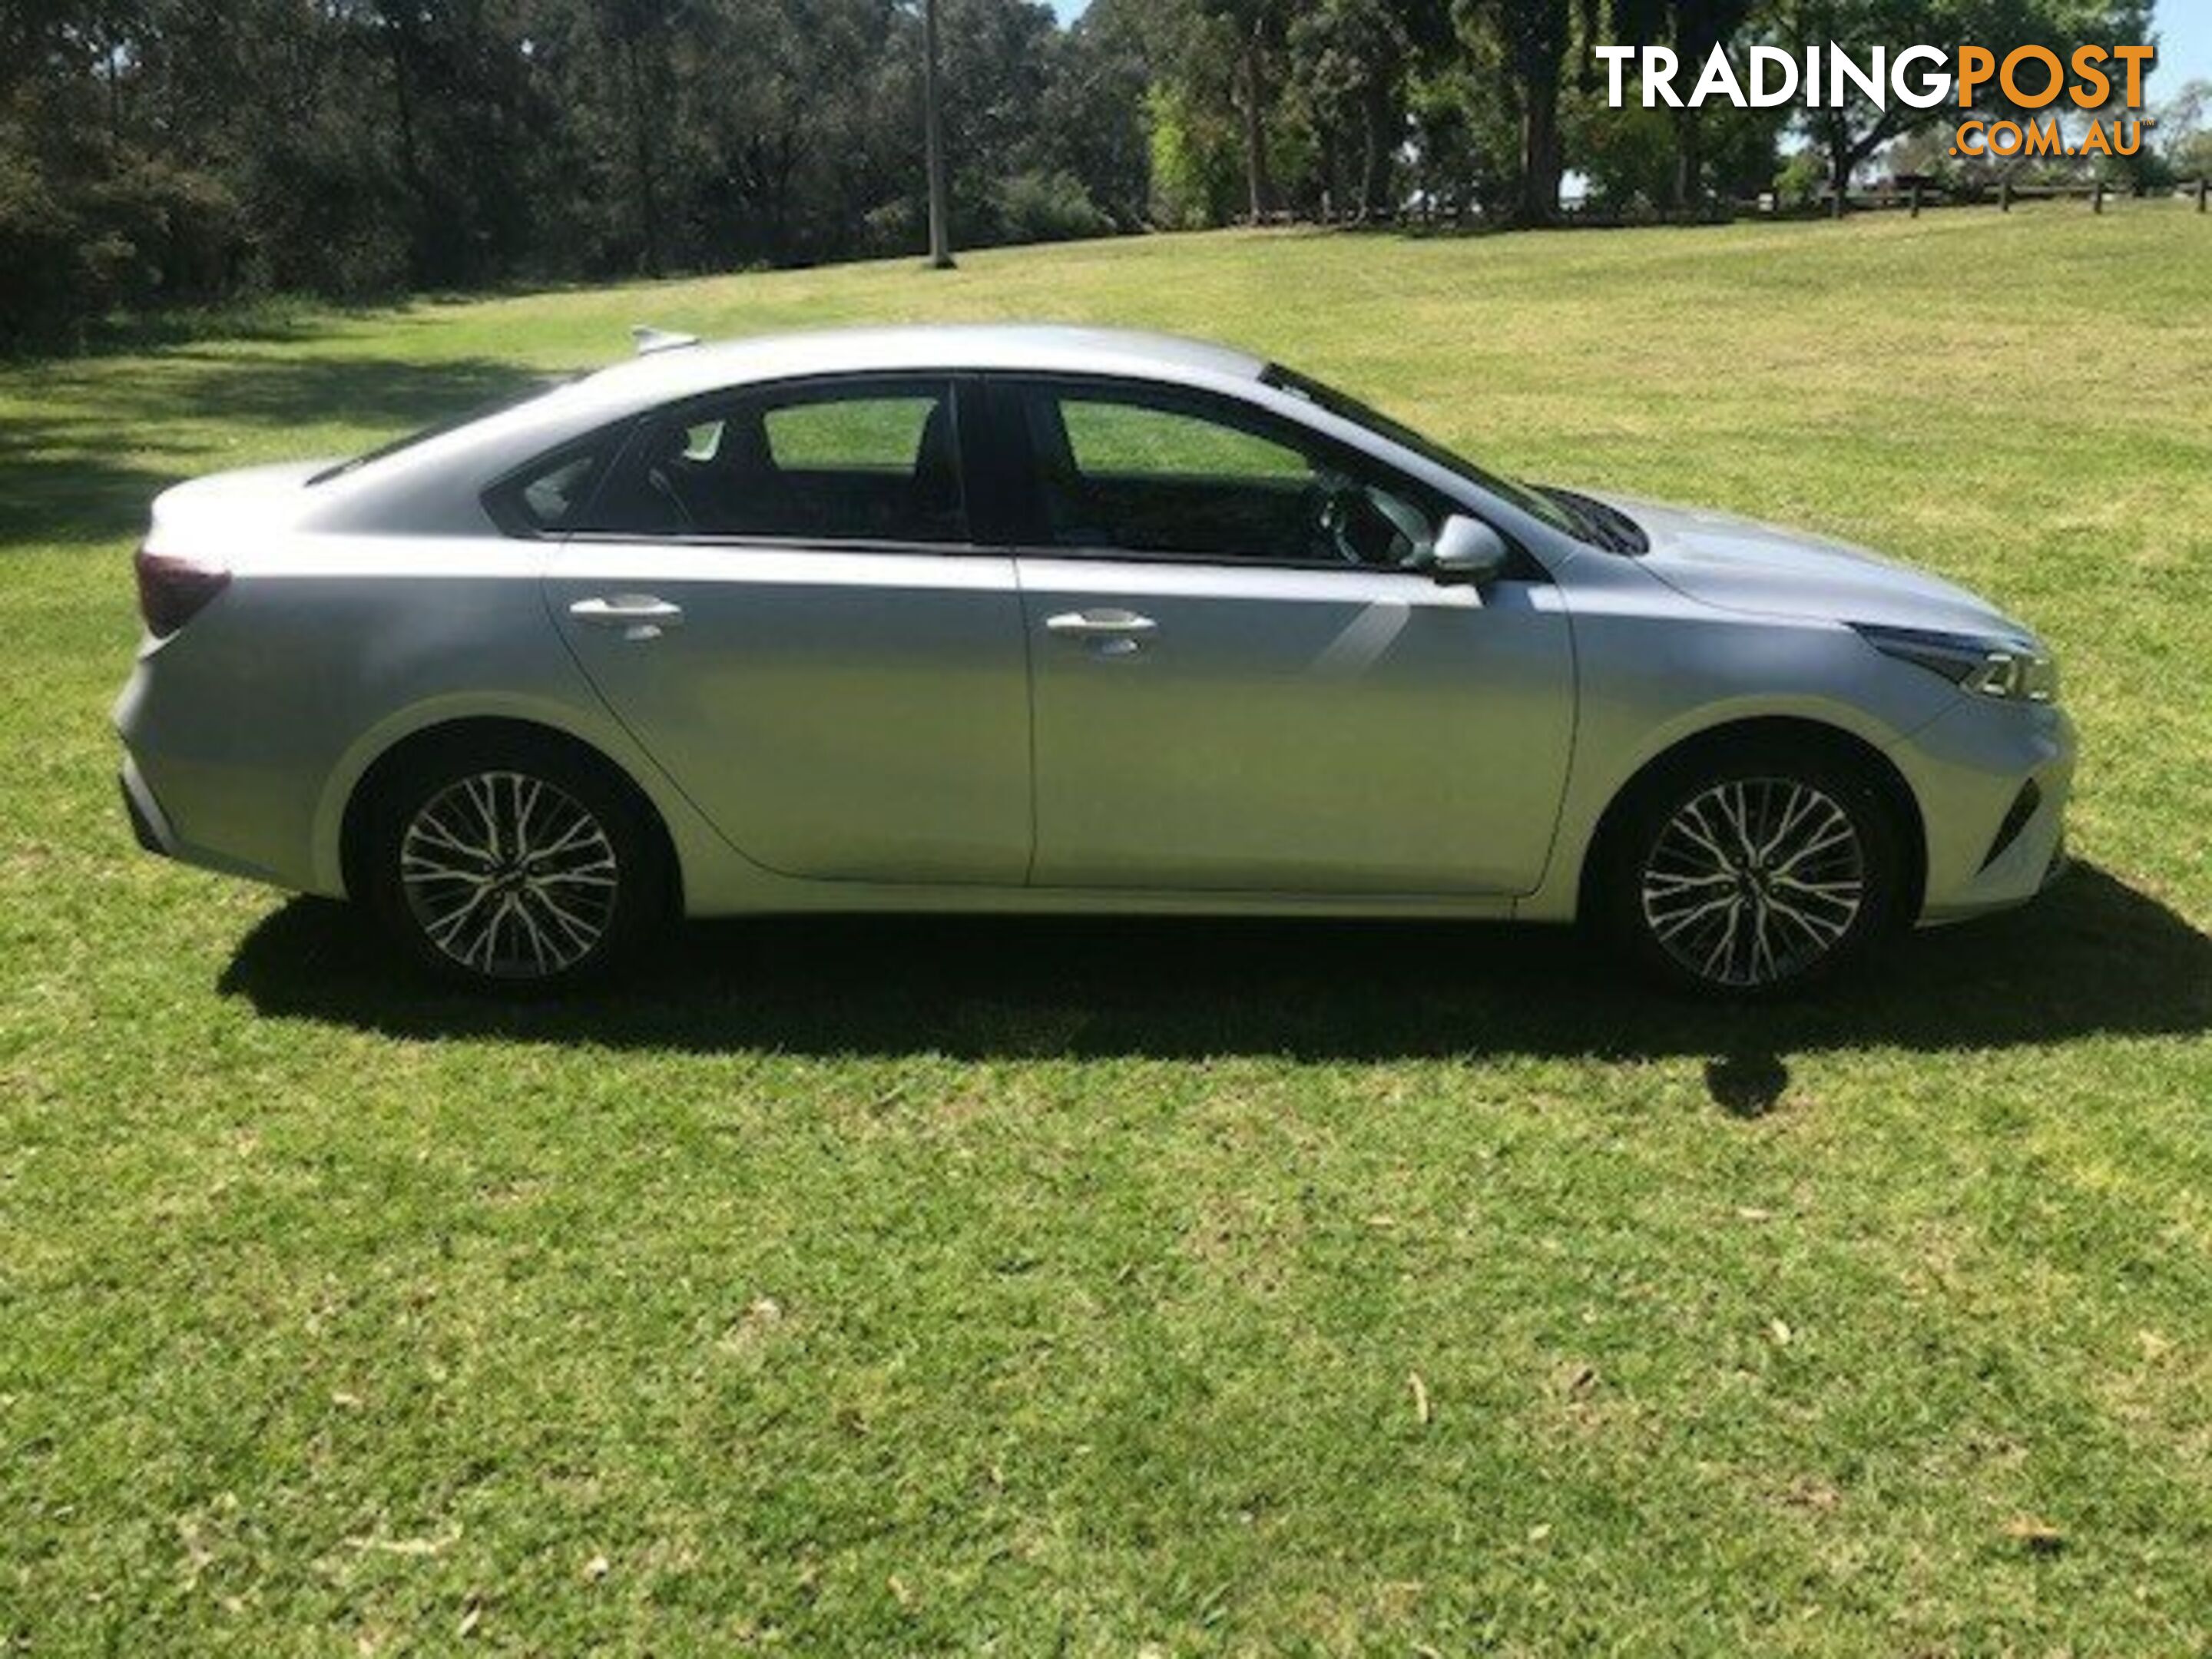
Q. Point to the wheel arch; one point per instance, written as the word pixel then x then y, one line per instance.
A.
pixel 1799 731
pixel 487 731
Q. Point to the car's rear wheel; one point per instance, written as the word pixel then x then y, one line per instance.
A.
pixel 518 867
pixel 1754 871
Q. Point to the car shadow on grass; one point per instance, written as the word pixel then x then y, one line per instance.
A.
pixel 2094 957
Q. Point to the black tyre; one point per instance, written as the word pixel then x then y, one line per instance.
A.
pixel 1753 871
pixel 517 864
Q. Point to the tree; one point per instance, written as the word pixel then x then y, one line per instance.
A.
pixel 1531 38
pixel 160 151
pixel 1353 62
pixel 1692 29
pixel 1255 29
pixel 2184 139
pixel 1852 132
pixel 1092 116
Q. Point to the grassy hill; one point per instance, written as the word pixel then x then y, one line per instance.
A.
pixel 921 1286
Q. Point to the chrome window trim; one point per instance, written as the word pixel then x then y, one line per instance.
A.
pixel 1120 555
pixel 788 543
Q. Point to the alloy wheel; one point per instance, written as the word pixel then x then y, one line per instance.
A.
pixel 509 876
pixel 1753 881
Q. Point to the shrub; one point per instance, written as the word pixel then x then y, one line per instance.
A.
pixel 1049 207
pixel 1804 178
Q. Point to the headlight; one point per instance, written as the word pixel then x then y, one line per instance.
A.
pixel 1992 665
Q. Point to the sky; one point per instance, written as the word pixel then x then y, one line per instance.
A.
pixel 2184 27
pixel 2184 53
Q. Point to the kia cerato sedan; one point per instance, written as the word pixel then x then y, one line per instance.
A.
pixel 1056 619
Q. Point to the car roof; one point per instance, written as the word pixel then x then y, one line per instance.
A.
pixel 676 371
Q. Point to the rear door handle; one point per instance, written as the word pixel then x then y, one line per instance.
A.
pixel 1100 625
pixel 640 615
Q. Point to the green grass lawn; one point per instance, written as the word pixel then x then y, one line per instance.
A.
pixel 1034 1286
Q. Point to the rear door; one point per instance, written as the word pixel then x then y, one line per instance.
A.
pixel 1240 680
pixel 776 591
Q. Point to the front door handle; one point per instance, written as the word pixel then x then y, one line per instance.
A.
pixel 1101 624
pixel 640 615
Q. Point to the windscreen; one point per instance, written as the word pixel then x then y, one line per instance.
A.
pixel 1566 514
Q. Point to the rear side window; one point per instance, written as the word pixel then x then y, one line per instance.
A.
pixel 876 460
pixel 550 498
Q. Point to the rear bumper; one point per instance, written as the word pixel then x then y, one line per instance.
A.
pixel 150 825
pixel 190 795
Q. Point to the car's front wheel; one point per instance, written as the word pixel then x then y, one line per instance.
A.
pixel 520 866
pixel 1754 871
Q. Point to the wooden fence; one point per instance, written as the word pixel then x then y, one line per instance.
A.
pixel 1911 198
pixel 1448 216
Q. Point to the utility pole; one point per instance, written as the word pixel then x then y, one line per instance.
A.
pixel 940 235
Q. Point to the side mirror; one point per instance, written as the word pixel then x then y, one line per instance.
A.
pixel 1468 553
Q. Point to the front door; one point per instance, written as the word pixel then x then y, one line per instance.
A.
pixel 776 592
pixel 1239 682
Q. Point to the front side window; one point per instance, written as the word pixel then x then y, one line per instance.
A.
pixel 1585 520
pixel 1165 474
pixel 873 461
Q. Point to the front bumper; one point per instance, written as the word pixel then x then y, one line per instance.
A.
pixel 1976 769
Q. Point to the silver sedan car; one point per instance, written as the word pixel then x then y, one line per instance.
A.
pixel 1057 619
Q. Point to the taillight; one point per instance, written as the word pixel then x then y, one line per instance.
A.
pixel 172 591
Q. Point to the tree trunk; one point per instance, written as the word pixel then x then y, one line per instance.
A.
pixel 1695 35
pixel 648 201
pixel 1689 160
pixel 941 226
pixel 1540 151
pixel 425 263
pixel 111 55
pixel 1255 134
pixel 1374 176
pixel 1841 163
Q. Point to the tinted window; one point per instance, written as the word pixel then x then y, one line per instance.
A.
pixel 552 497
pixel 859 435
pixel 1585 521
pixel 1162 473
pixel 1105 439
pixel 873 461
